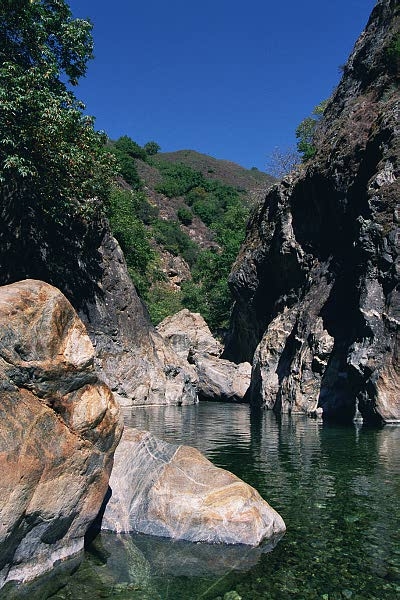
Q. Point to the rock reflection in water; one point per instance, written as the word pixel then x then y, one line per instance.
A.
pixel 180 558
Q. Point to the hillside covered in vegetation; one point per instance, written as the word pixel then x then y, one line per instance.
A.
pixel 180 218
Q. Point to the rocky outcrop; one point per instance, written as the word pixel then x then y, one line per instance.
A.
pixel 221 380
pixel 131 356
pixel 317 280
pixel 174 491
pixel 90 269
pixel 189 334
pixel 175 269
pixel 192 340
pixel 59 429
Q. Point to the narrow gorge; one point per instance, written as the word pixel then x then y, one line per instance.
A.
pixel 138 450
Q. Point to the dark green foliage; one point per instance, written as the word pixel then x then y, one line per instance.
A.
pixel 209 293
pixel 171 237
pixel 178 179
pixel 305 135
pixel 127 146
pixel 49 150
pixel 126 151
pixel 162 302
pixel 127 168
pixel 393 55
pixel 151 148
pixel 127 226
pixel 185 215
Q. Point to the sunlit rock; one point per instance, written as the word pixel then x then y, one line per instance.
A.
pixel 59 426
pixel 191 338
pixel 174 491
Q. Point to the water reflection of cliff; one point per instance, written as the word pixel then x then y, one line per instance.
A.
pixel 335 486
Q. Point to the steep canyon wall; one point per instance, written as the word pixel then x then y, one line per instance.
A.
pixel 316 284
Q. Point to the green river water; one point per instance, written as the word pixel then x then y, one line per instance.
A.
pixel 337 488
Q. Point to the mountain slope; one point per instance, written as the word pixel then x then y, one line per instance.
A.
pixel 195 223
pixel 226 171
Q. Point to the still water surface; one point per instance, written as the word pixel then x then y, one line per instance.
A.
pixel 337 488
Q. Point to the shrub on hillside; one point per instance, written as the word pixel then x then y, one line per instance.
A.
pixel 185 215
pixel 129 230
pixel 169 235
pixel 178 179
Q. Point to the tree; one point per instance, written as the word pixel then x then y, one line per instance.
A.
pixel 281 162
pixel 152 148
pixel 128 146
pixel 305 132
pixel 50 154
pixel 125 208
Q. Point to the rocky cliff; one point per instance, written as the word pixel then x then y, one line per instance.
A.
pixel 316 282
pixel 85 262
pixel 59 428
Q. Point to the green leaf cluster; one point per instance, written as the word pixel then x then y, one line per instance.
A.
pixel 185 215
pixel 162 301
pixel 50 153
pixel 152 148
pixel 171 237
pixel 126 151
pixel 306 131
pixel 208 292
pixel 178 179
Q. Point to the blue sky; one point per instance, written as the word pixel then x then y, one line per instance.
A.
pixel 227 78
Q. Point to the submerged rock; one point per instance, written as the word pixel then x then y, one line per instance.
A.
pixel 59 426
pixel 192 340
pixel 316 282
pixel 174 491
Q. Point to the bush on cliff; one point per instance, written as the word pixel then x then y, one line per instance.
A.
pixel 125 214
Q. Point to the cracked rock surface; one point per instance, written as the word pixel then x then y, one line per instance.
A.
pixel 192 340
pixel 59 428
pixel 316 283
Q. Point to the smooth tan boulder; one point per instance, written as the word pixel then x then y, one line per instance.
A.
pixel 189 334
pixel 173 491
pixel 192 340
pixel 59 426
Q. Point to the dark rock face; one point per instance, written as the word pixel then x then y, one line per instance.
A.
pixel 86 263
pixel 59 428
pixel 317 280
pixel 131 356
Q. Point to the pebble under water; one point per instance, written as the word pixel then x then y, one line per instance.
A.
pixel 337 488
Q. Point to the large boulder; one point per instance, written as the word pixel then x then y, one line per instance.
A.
pixel 316 283
pixel 174 491
pixel 189 334
pixel 220 379
pixel 59 427
pixel 191 338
